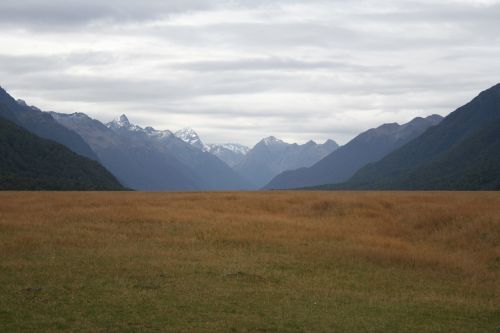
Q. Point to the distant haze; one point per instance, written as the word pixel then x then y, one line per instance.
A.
pixel 241 70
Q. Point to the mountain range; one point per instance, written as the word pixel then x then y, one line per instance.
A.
pixel 49 150
pixel 266 159
pixel 368 147
pixel 150 159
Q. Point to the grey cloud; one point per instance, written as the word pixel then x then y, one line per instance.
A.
pixel 58 14
pixel 259 35
pixel 275 37
pixel 441 13
pixel 43 74
pixel 272 64
pixel 73 13
pixel 30 64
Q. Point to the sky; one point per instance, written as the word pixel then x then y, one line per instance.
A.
pixel 242 70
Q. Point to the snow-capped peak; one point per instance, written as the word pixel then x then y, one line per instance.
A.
pixel 188 135
pixel 271 140
pixel 121 122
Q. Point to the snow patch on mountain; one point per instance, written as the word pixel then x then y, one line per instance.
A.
pixel 229 153
pixel 271 140
pixel 76 115
pixel 233 147
pixel 165 134
pixel 188 135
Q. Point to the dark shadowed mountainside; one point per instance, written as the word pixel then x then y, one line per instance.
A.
pixel 29 162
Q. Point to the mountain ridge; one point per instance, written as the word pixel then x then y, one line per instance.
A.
pixel 365 148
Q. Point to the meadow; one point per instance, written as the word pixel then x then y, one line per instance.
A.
pixel 250 262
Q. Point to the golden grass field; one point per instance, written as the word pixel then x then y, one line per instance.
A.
pixel 250 262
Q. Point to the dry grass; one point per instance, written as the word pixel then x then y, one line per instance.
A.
pixel 250 262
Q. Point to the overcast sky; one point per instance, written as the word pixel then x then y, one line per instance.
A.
pixel 241 70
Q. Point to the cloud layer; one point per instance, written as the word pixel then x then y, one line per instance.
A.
pixel 239 70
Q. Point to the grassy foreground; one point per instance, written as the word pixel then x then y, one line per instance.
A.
pixel 250 262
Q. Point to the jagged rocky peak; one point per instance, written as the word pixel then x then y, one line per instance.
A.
pixel 123 121
pixel 120 122
pixel 188 135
